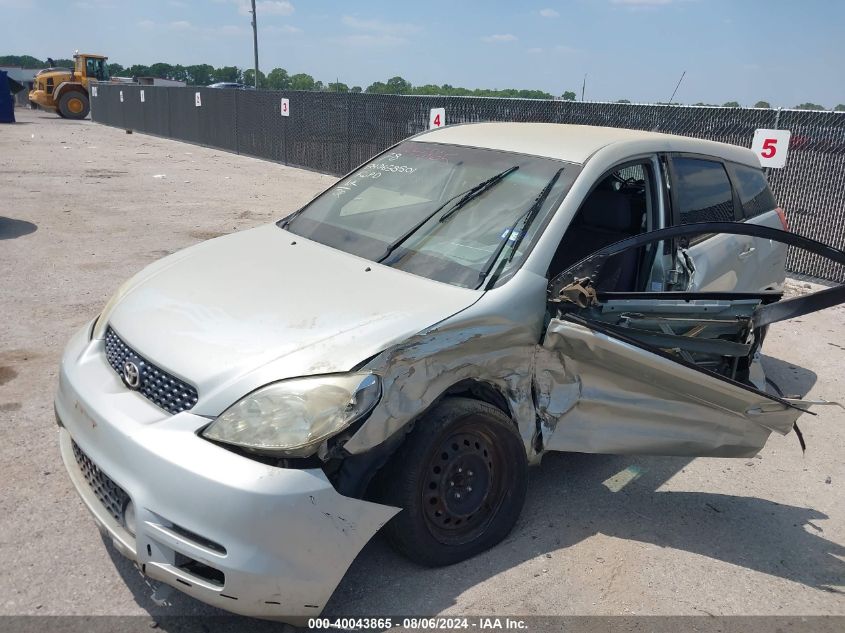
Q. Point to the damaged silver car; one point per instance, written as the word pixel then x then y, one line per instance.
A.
pixel 244 415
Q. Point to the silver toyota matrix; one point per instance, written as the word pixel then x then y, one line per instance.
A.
pixel 244 415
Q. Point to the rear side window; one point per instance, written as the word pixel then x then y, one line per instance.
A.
pixel 703 191
pixel 754 192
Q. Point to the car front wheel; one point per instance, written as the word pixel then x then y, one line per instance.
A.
pixel 460 477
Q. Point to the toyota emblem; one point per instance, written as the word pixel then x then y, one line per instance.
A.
pixel 131 374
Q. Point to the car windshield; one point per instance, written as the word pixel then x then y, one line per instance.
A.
pixel 446 212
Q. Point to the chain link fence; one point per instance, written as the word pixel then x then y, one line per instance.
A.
pixel 335 132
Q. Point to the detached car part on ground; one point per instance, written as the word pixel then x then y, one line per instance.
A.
pixel 246 414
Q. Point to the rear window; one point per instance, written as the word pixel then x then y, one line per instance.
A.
pixel 754 192
pixel 703 191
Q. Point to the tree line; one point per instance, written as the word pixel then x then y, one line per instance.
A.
pixel 280 79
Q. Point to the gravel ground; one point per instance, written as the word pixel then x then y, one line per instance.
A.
pixel 82 207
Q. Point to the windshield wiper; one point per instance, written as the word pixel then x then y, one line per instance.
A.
pixel 476 191
pixel 285 222
pixel 465 197
pixel 524 221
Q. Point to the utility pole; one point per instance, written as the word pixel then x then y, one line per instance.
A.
pixel 255 41
pixel 584 86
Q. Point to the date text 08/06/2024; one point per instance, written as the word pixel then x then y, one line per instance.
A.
pixel 434 623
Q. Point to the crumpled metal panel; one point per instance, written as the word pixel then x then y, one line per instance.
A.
pixel 417 372
pixel 583 389
pixel 612 397
pixel 579 391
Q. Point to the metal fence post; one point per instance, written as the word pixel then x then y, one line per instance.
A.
pixel 285 138
pixel 774 127
pixel 169 118
pixel 235 122
pixel 349 127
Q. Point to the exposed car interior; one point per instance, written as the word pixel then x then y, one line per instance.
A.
pixel 713 334
pixel 719 332
pixel 619 207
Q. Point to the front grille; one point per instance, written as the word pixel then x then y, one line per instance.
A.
pixel 163 389
pixel 112 496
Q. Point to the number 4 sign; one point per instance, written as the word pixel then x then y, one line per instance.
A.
pixel 436 118
pixel 771 147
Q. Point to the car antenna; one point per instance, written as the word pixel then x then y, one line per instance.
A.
pixel 674 92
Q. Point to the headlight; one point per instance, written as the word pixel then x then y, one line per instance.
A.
pixel 293 417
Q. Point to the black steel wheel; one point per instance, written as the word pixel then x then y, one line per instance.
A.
pixel 461 478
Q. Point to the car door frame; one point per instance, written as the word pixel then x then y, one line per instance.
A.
pixel 659 191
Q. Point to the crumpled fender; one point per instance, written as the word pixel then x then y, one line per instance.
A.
pixel 417 372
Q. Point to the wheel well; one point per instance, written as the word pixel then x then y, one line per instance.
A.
pixel 357 472
pixel 479 390
pixel 70 88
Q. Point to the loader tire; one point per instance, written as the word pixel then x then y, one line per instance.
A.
pixel 74 105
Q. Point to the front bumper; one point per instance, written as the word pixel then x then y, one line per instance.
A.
pixel 235 533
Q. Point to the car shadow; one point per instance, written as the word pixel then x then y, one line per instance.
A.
pixel 567 504
pixel 11 228
pixel 569 500
pixel 789 378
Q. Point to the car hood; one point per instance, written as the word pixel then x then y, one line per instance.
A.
pixel 237 312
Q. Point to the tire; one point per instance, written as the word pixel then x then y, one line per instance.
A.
pixel 74 105
pixel 460 477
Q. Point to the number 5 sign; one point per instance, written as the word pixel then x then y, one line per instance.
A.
pixel 771 147
pixel 436 118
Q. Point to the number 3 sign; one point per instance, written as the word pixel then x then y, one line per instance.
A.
pixel 285 107
pixel 771 147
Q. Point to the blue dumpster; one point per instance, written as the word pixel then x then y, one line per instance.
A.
pixel 7 106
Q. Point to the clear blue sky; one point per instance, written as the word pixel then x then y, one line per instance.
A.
pixel 783 51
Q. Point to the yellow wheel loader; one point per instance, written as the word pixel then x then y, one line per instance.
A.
pixel 67 91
